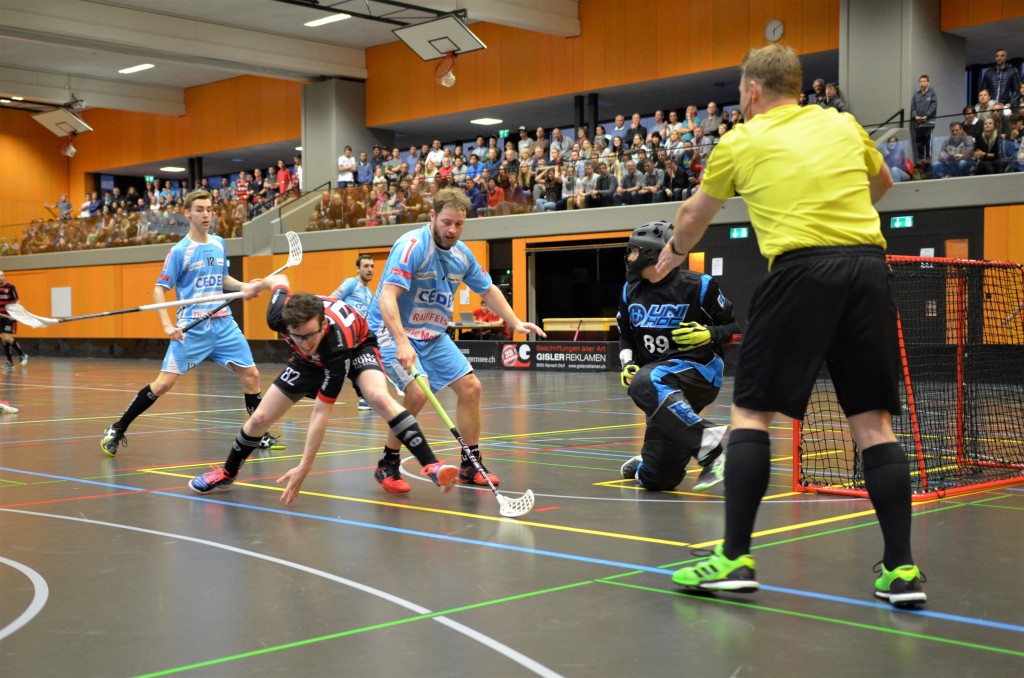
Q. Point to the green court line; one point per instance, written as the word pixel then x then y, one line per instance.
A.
pixel 351 632
pixel 836 530
pixel 819 618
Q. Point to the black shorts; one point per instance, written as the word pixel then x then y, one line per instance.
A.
pixel 821 304
pixel 8 326
pixel 301 379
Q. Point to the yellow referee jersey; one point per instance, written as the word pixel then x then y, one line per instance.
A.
pixel 803 173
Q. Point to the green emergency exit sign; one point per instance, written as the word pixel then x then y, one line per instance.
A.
pixel 901 222
pixel 739 233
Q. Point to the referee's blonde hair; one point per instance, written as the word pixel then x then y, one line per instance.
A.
pixel 776 68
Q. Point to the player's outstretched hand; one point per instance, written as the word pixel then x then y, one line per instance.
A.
pixel 294 477
pixel 526 328
pixel 174 333
pixel 628 372
pixel 691 335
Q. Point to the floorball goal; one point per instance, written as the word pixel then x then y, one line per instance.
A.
pixel 962 420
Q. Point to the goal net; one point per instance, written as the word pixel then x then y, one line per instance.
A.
pixel 962 420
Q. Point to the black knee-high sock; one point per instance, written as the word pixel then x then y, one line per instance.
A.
pixel 142 401
pixel 747 468
pixel 407 429
pixel 17 347
pixel 252 401
pixel 7 350
pixel 240 451
pixel 887 479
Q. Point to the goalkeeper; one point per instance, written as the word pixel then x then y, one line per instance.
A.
pixel 671 329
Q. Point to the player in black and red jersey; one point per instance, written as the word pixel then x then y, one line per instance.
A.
pixel 329 340
pixel 8 327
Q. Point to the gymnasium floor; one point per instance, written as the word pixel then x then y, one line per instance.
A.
pixel 113 567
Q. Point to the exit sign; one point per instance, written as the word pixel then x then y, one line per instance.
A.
pixel 148 178
pixel 738 233
pixel 901 222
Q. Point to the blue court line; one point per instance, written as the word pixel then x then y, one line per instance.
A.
pixel 1003 626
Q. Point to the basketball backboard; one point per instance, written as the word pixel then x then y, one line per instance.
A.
pixel 435 38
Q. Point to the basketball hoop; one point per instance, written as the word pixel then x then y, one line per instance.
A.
pixel 443 71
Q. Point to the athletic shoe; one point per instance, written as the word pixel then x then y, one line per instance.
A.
pixel 710 439
pixel 7 408
pixel 363 405
pixel 24 359
pixel 630 468
pixel 719 573
pixel 269 442
pixel 443 475
pixel 112 437
pixel 7 367
pixel 390 478
pixel 901 587
pixel 206 482
pixel 468 475
pixel 712 471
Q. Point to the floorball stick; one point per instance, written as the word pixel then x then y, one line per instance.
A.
pixel 510 508
pixel 294 259
pixel 19 313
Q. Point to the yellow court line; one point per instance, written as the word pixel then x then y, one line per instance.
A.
pixel 636 488
pixel 562 528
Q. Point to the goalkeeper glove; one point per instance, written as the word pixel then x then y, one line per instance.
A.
pixel 691 335
pixel 627 374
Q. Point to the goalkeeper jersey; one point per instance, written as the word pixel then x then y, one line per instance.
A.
pixel 648 312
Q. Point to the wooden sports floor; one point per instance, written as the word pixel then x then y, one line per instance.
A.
pixel 113 567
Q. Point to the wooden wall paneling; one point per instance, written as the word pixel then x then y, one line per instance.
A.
pixel 997 234
pixel 961 13
pixel 1015 233
pixel 34 169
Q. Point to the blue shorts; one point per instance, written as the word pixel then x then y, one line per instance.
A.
pixel 438 359
pixel 218 339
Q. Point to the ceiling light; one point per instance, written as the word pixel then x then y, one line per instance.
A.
pixel 18 98
pixel 136 69
pixel 5 101
pixel 487 121
pixel 327 20
pixel 171 168
pixel 298 148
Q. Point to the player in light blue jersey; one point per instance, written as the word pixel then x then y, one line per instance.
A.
pixel 410 313
pixel 354 292
pixel 197 267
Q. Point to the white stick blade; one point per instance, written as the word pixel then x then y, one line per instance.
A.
pixel 18 312
pixel 513 508
pixel 294 248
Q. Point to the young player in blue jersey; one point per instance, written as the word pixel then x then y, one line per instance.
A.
pixel 197 266
pixel 671 329
pixel 330 341
pixel 354 292
pixel 409 314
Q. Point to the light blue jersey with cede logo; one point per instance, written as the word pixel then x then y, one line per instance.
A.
pixel 196 270
pixel 430 275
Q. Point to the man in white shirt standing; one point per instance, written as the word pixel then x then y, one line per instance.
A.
pixel 346 168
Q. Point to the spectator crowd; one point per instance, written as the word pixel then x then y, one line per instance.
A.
pixel 639 161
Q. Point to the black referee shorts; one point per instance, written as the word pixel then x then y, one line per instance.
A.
pixel 821 304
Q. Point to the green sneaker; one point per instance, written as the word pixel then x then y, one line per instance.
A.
pixel 902 586
pixel 719 573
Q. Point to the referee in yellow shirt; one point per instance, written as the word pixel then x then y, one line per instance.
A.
pixel 826 299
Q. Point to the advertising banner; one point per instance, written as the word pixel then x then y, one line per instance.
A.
pixel 567 356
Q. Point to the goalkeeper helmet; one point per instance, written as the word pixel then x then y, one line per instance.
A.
pixel 648 241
